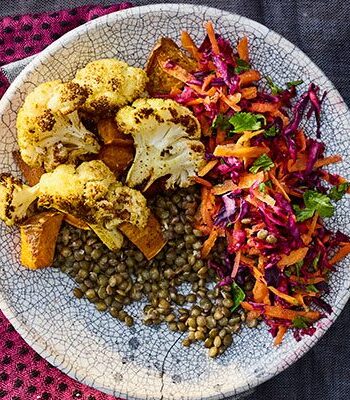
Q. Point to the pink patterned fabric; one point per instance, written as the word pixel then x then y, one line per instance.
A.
pixel 24 35
pixel 24 375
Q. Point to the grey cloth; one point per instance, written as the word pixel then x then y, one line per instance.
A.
pixel 321 28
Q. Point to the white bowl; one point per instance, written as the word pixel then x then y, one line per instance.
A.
pixel 94 348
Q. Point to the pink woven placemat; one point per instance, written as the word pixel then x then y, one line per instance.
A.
pixel 24 375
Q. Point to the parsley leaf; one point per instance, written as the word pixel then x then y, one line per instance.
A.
pixel 294 83
pixel 337 192
pixel 263 163
pixel 300 322
pixel 315 261
pixel 246 121
pixel 314 201
pixel 241 66
pixel 311 288
pixel 271 132
pixel 274 88
pixel 238 295
pixel 287 272
pixel 319 202
pixel 303 214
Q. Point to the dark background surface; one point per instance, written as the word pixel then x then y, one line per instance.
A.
pixel 321 29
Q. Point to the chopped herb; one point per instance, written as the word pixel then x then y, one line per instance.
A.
pixel 262 187
pixel 287 272
pixel 238 296
pixel 271 132
pixel 241 66
pixel 314 201
pixel 268 184
pixel 298 266
pixel 337 192
pixel 246 121
pixel 315 261
pixel 294 83
pixel 221 122
pixel 274 88
pixel 300 322
pixel 263 163
pixel 311 288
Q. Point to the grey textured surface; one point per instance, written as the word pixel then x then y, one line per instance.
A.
pixel 320 28
pixel 158 364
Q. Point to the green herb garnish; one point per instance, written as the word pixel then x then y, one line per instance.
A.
pixel 314 201
pixel 294 83
pixel 263 163
pixel 274 88
pixel 271 132
pixel 246 121
pixel 300 322
pixel 311 288
pixel 337 192
pixel 238 295
pixel 298 266
pixel 241 66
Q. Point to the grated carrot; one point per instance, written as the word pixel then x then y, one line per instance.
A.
pixel 202 181
pixel 280 335
pixel 327 160
pixel 208 167
pixel 293 257
pixel 279 186
pixel 225 187
pixel 242 49
pixel 289 299
pixel 211 34
pixel 239 152
pixel 263 107
pixel 342 253
pixel 236 264
pixel 248 77
pixel 283 313
pixel 209 243
pixel 189 45
pixel 249 93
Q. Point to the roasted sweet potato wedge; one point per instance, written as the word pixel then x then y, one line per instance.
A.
pixel 159 81
pixel 108 131
pixel 149 240
pixel 76 222
pixel 117 157
pixel 31 174
pixel 38 239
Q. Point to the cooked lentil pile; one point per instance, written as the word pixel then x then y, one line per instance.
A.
pixel 113 280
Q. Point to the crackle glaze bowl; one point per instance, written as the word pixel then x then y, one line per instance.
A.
pixel 92 347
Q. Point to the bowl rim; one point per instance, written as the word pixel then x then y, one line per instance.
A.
pixel 24 329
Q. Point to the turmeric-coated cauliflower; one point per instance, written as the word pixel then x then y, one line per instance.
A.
pixel 49 129
pixel 166 136
pixel 110 84
pixel 89 192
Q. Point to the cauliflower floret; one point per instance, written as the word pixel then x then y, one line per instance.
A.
pixel 166 137
pixel 111 84
pixel 49 129
pixel 89 192
pixel 15 199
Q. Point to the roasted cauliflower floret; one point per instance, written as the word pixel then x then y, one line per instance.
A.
pixel 89 192
pixel 16 199
pixel 110 84
pixel 49 129
pixel 92 194
pixel 166 137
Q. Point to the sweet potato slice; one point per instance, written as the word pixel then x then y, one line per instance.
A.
pixel 108 131
pixel 149 240
pixel 31 174
pixel 159 81
pixel 76 222
pixel 116 157
pixel 38 239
